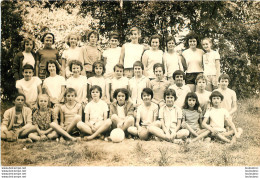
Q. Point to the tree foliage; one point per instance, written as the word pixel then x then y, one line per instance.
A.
pixel 232 25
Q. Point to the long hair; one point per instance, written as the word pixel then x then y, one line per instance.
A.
pixel 191 95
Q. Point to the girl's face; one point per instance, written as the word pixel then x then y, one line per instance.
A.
pixel 98 70
pixel 119 72
pixel 70 97
pixel 120 98
pixel 52 68
pixel 73 40
pixel 178 80
pixel 48 41
pixel 95 94
pixel 191 102
pixel 223 83
pixel 216 101
pixel 138 71
pixel 135 35
pixel 28 46
pixel 155 44
pixel 171 45
pixel 19 102
pixel 75 69
pixel 192 43
pixel 27 73
pixel 114 43
pixel 93 39
pixel 43 102
pixel 169 99
pixel 147 98
pixel 202 84
pixel 158 73
pixel 206 45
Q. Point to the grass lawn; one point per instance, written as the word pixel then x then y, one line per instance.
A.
pixel 246 152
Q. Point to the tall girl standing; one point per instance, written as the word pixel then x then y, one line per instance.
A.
pixel 152 56
pixel 193 59
pixel 73 53
pixel 46 54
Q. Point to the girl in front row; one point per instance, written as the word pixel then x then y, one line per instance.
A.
pixel 42 119
pixel 96 114
pixel 70 116
pixel 191 117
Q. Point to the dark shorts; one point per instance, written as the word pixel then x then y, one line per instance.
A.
pixel 191 77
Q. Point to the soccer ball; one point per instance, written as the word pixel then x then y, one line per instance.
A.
pixel 117 135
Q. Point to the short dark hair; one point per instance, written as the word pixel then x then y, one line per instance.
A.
pixel 68 37
pixel 93 32
pixel 28 66
pixel 19 94
pixel 170 38
pixel 114 35
pixel 27 40
pixel 122 90
pixel 96 87
pixel 216 94
pixel 56 64
pixel 191 95
pixel 158 65
pixel 191 35
pixel 178 72
pixel 120 66
pixel 98 63
pixel 154 37
pixel 138 63
pixel 224 76
pixel 149 91
pixel 70 90
pixel 75 62
pixel 48 33
pixel 168 92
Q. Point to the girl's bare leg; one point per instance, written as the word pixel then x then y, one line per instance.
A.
pixel 157 132
pixel 202 135
pixel 104 127
pixel 61 132
pixel 84 128
pixel 34 136
pixel 132 130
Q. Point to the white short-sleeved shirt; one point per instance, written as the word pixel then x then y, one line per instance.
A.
pixel 133 53
pixel 136 87
pixel 72 54
pixel 172 62
pixel 203 99
pixel 28 59
pixel 153 57
pixel 96 110
pixel 217 118
pixel 181 93
pixel 118 83
pixel 230 97
pixel 54 85
pixel 209 62
pixel 29 88
pixel 99 81
pixel 113 56
pixel 170 116
pixel 147 114
pixel 193 60
pixel 78 84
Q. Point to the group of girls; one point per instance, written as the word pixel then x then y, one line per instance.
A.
pixel 87 89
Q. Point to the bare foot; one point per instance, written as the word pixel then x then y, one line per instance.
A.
pixel 234 139
pixel 87 138
pixel 240 131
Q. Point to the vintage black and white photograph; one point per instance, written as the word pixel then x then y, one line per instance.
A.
pixel 130 83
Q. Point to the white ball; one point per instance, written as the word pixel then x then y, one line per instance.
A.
pixel 117 135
